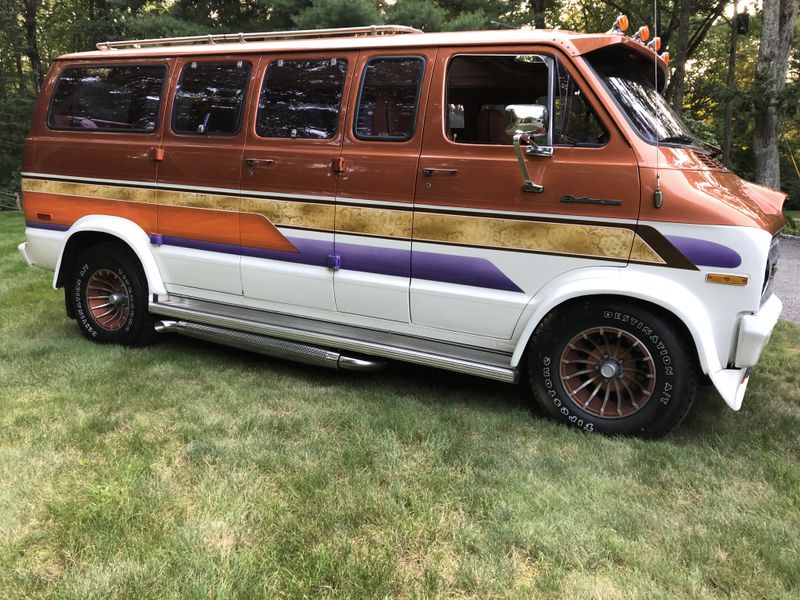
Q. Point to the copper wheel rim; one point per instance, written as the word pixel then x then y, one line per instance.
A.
pixel 108 299
pixel 607 372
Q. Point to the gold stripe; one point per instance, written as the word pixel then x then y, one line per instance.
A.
pixel 555 238
pixel 285 213
pixel 91 190
pixel 374 221
pixel 643 252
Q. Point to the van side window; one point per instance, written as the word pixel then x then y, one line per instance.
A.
pixel 119 98
pixel 301 98
pixel 480 87
pixel 574 122
pixel 387 105
pixel 209 98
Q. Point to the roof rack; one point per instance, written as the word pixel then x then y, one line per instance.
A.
pixel 267 35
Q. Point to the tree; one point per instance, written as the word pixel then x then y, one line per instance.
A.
pixel 777 35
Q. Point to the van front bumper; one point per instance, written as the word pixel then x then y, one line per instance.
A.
pixel 755 331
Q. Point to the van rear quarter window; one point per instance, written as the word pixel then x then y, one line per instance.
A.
pixel 387 106
pixel 108 98
pixel 209 98
pixel 301 98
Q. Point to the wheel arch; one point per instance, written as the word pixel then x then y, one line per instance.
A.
pixel 664 296
pixel 94 229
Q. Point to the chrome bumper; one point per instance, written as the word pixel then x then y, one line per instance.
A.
pixel 755 331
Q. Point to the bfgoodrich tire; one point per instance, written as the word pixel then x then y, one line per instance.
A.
pixel 612 366
pixel 107 293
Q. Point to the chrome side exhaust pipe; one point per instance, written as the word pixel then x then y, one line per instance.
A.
pixel 269 346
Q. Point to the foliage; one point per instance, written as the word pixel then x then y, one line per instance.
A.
pixel 187 470
pixel 71 25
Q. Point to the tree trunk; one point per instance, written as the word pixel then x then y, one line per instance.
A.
pixel 727 121
pixel 537 8
pixel 32 49
pixel 777 36
pixel 678 76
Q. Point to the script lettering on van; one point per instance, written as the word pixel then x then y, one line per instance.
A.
pixel 570 199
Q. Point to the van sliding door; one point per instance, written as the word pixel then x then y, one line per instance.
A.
pixel 290 165
pixel 376 182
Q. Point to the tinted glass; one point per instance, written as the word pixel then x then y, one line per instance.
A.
pixel 210 97
pixel 480 87
pixel 301 98
pixel 574 122
pixel 387 106
pixel 629 78
pixel 121 98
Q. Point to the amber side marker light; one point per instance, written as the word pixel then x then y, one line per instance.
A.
pixel 726 279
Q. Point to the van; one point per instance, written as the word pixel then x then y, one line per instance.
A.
pixel 507 204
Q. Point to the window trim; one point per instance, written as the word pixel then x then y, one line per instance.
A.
pixel 263 83
pixel 242 108
pixel 164 79
pixel 575 82
pixel 548 61
pixel 362 78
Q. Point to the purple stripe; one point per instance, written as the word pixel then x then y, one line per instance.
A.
pixel 705 253
pixel 463 270
pixel 48 226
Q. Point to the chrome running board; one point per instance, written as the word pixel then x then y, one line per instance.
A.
pixel 336 338
pixel 269 346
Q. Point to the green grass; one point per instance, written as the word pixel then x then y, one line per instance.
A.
pixel 190 470
pixel 795 214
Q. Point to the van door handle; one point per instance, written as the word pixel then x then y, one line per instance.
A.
pixel 252 162
pixel 430 172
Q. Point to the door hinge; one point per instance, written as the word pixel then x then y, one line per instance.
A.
pixel 338 165
pixel 157 153
pixel 334 262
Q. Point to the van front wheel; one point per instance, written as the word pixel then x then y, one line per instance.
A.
pixel 613 367
pixel 107 292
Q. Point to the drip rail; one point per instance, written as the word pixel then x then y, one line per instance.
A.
pixel 261 36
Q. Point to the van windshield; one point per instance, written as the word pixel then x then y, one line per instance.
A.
pixel 628 76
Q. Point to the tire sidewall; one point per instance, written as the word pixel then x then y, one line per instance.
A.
pixel 85 267
pixel 671 367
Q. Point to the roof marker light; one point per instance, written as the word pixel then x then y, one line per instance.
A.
pixel 643 34
pixel 620 24
pixel 665 57
pixel 655 44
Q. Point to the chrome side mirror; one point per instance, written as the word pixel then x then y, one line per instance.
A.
pixel 524 122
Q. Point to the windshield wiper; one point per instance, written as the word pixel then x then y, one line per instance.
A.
pixel 676 139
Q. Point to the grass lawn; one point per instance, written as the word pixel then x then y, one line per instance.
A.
pixel 795 214
pixel 190 470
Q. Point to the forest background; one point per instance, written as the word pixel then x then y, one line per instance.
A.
pixel 731 108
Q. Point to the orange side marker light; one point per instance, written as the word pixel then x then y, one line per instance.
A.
pixel 726 279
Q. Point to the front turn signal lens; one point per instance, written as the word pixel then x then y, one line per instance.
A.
pixel 726 279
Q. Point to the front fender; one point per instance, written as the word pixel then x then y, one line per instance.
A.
pixel 650 287
pixel 128 233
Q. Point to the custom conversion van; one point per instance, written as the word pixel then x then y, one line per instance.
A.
pixel 508 204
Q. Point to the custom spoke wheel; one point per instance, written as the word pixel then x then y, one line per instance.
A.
pixel 607 372
pixel 106 293
pixel 612 366
pixel 108 299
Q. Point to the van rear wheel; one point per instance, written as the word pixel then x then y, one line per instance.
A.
pixel 107 293
pixel 612 366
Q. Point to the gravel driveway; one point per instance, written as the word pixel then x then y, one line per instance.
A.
pixel 787 279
